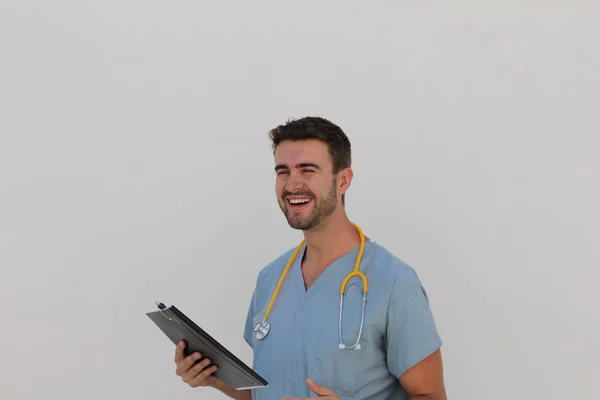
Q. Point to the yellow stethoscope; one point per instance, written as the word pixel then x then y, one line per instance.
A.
pixel 262 328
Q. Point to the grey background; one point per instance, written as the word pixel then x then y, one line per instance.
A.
pixel 135 166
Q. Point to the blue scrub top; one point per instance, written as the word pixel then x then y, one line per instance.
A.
pixel 399 328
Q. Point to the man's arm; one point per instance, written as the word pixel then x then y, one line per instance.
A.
pixel 425 380
pixel 412 341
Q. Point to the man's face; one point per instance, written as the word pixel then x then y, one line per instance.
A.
pixel 305 185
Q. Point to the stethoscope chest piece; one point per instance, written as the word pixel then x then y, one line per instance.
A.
pixel 262 329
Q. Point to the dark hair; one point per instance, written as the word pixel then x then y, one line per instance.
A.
pixel 316 128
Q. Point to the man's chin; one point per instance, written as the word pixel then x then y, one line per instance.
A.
pixel 301 225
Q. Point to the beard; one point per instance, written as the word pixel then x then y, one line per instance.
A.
pixel 321 209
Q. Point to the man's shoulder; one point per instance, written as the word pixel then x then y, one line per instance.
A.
pixel 387 265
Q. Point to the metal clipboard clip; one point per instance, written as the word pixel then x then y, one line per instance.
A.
pixel 161 307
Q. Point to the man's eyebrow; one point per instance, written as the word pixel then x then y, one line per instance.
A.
pixel 300 165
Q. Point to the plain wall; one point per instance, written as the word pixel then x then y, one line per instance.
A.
pixel 135 166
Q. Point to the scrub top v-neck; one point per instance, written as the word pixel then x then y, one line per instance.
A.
pixel 303 340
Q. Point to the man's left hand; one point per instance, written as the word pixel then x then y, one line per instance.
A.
pixel 320 391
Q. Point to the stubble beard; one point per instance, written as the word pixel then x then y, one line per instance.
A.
pixel 320 211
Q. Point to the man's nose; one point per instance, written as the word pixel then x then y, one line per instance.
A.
pixel 294 183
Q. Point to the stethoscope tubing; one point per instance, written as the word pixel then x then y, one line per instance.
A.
pixel 262 328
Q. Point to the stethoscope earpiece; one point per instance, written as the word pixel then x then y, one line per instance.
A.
pixel 342 346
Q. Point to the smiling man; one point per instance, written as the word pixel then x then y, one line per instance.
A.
pixel 386 347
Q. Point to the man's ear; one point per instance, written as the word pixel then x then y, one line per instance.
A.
pixel 345 179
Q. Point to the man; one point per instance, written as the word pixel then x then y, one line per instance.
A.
pixel 398 356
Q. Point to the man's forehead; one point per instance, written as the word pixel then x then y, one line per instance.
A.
pixel 292 152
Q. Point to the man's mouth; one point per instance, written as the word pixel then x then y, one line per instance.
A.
pixel 297 203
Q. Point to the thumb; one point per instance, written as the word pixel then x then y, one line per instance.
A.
pixel 318 389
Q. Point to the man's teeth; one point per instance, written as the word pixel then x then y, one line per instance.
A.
pixel 299 201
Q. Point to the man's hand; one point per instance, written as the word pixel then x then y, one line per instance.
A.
pixel 193 373
pixel 320 391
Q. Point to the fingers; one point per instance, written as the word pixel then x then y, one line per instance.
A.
pixel 192 372
pixel 187 363
pixel 319 390
pixel 179 356
pixel 195 373
pixel 202 376
pixel 332 397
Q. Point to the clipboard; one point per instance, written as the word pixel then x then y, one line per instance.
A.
pixel 177 326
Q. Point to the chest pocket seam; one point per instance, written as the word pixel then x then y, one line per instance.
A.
pixel 336 368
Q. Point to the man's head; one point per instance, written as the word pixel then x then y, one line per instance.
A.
pixel 312 166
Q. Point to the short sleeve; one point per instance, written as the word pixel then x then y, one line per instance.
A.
pixel 249 326
pixel 411 333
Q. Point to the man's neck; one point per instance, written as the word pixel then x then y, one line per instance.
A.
pixel 329 241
